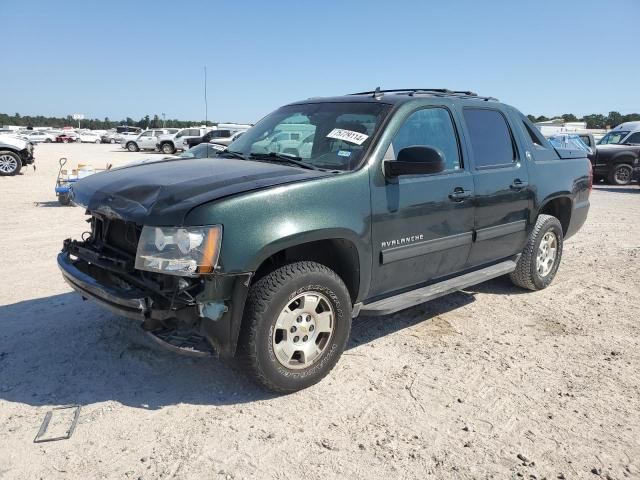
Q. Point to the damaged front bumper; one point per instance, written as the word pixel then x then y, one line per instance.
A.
pixel 214 313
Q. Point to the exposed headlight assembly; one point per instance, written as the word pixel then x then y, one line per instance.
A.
pixel 183 251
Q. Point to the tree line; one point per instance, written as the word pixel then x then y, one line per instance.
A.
pixel 95 123
pixel 595 120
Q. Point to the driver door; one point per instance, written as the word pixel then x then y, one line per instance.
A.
pixel 422 224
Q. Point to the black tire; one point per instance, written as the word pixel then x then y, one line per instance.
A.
pixel 98 141
pixel 167 149
pixel 64 199
pixel 266 300
pixel 112 141
pixel 526 274
pixel 78 140
pixel 10 163
pixel 132 147
pixel 621 174
pixel 48 140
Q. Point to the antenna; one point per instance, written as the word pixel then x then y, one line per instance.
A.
pixel 206 108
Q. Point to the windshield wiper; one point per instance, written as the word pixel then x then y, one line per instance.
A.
pixel 231 153
pixel 293 160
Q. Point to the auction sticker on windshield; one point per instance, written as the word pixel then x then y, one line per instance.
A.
pixel 348 136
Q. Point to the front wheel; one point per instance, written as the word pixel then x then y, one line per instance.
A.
pixel 296 325
pixel 621 174
pixel 48 140
pixel 98 141
pixel 112 141
pixel 540 258
pixel 78 140
pixel 132 147
pixel 10 164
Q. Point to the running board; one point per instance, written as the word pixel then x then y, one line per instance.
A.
pixel 412 298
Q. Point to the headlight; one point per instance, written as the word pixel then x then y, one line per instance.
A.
pixel 184 251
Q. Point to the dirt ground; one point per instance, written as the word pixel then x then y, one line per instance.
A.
pixel 493 382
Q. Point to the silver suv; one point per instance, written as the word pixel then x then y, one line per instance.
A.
pixel 169 144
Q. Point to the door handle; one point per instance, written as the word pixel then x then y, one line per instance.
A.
pixel 459 194
pixel 518 184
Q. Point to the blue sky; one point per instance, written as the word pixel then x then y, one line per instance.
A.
pixel 126 58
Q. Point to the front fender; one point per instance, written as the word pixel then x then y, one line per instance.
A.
pixel 261 223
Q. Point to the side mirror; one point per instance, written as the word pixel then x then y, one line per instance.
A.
pixel 416 160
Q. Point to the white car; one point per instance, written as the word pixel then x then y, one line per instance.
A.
pixel 38 136
pixel 88 137
pixel 147 140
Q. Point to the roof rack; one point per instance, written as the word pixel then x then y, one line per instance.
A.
pixel 439 92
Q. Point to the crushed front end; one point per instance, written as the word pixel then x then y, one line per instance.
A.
pixel 202 306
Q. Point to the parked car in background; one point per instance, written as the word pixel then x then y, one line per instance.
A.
pixel 38 136
pixel 627 133
pixel 571 141
pixel 15 153
pixel 220 137
pixel 171 143
pixel 108 137
pixel 89 137
pixel 67 137
pixel 120 137
pixel 147 140
pixel 616 153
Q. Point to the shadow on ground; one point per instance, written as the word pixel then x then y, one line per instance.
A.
pixel 627 189
pixel 61 350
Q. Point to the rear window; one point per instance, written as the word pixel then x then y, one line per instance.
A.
pixel 490 136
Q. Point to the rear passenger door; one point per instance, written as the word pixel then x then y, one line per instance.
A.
pixel 422 224
pixel 503 197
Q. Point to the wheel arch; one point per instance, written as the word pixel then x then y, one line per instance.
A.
pixel 337 252
pixel 559 207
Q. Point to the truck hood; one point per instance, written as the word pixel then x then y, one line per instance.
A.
pixel 163 192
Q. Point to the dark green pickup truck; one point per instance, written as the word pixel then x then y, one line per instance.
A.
pixel 326 209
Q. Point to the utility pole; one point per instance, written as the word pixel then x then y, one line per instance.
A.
pixel 206 112
pixel 164 117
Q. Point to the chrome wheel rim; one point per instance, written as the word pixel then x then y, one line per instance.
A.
pixel 8 164
pixel 623 174
pixel 547 253
pixel 303 330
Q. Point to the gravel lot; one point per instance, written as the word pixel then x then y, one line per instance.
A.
pixel 493 382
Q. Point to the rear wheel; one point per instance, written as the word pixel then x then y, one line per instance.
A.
pixel 296 325
pixel 540 259
pixel 48 140
pixel 97 141
pixel 167 148
pixel 10 163
pixel 78 140
pixel 621 174
pixel 112 141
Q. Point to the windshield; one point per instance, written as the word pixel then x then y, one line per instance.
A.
pixel 204 150
pixel 324 135
pixel 573 142
pixel 613 137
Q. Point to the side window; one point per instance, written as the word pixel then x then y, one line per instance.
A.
pixel 146 134
pixel 534 134
pixel 633 138
pixel 430 127
pixel 490 137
